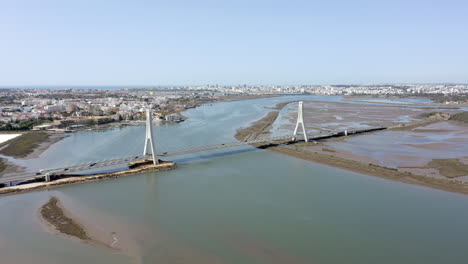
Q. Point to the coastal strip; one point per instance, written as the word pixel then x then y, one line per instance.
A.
pixel 135 168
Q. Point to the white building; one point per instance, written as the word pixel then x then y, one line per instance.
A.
pixel 54 108
pixel 173 118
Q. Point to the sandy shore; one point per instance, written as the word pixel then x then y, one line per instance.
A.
pixel 105 231
pixel 257 128
pixel 52 213
pixel 55 218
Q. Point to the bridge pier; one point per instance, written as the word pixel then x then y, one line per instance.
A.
pixel 149 138
pixel 300 120
pixel 47 177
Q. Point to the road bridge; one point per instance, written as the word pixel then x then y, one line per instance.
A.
pixel 150 151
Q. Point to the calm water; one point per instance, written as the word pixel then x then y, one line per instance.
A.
pixel 392 148
pixel 240 206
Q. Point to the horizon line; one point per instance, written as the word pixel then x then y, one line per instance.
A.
pixel 131 86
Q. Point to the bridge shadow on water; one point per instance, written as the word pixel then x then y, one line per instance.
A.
pixel 213 155
pixel 233 152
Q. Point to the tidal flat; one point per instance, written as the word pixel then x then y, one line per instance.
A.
pixel 429 151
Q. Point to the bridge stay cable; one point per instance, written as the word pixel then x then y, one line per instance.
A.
pixel 150 151
pixel 300 120
pixel 149 142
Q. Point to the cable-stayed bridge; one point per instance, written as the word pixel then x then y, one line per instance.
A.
pixel 150 151
pixel 123 161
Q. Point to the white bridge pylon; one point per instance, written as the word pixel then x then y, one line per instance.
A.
pixel 300 120
pixel 149 138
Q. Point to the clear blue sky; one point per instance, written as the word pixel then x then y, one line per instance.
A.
pixel 97 42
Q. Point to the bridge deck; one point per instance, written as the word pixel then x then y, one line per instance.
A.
pixel 114 162
pixel 121 161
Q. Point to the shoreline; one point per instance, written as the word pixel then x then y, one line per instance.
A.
pixel 355 98
pixel 375 170
pixel 37 149
pixel 142 167
pixel 54 217
pixel 43 146
pixel 260 126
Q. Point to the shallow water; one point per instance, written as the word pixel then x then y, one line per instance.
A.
pixel 240 205
pixel 392 148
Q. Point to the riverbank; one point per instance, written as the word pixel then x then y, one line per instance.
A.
pixel 401 100
pixel 261 126
pixel 29 145
pixel 257 128
pixel 240 97
pixel 373 170
pixel 349 161
pixel 60 180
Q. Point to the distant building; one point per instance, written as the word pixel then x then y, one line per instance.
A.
pixel 54 108
pixel 35 102
pixel 173 118
pixel 44 127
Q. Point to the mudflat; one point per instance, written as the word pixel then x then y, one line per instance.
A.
pixel 427 170
pixel 26 146
pixel 53 214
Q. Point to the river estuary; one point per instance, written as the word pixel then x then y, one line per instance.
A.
pixel 239 205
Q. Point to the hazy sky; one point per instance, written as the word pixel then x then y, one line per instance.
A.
pixel 81 42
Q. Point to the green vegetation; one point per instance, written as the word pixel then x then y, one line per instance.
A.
pixel 53 214
pixel 3 165
pixel 23 145
pixel 375 170
pixel 20 124
pixel 462 117
pixel 440 98
pixel 328 149
pixel 450 168
pixel 90 122
pixel 428 114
